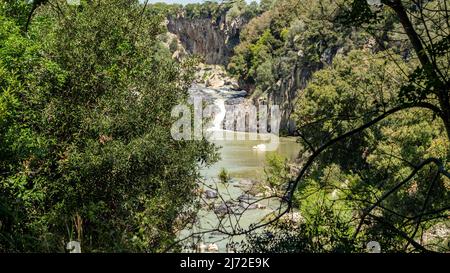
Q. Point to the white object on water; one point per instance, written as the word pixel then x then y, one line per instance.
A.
pixel 74 247
pixel 213 247
pixel 260 147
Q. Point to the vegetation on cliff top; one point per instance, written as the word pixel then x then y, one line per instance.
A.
pixel 86 151
pixel 209 9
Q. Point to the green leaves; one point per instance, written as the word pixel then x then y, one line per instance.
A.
pixel 357 170
pixel 359 13
pixel 85 130
pixel 422 84
pixel 276 170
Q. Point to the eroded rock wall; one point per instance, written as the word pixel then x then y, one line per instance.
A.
pixel 211 38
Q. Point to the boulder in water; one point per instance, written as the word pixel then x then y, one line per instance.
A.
pixel 248 206
pixel 210 194
pixel 260 206
pixel 246 183
pixel 227 207
pixel 246 198
pixel 222 209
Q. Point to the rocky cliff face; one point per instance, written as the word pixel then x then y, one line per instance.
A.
pixel 213 39
pixel 288 88
pixel 285 94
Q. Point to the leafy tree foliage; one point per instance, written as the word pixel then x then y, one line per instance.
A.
pixel 372 121
pixel 86 149
pixel 290 34
pixel 360 171
pixel 350 93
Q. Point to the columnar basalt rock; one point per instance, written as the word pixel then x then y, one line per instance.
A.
pixel 211 38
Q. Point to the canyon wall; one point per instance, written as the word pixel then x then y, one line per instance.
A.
pixel 211 38
pixel 215 38
pixel 287 89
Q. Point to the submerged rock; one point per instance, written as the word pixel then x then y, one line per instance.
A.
pixel 246 183
pixel 228 207
pixel 246 198
pixel 247 206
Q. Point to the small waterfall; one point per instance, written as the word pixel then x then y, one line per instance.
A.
pixel 219 116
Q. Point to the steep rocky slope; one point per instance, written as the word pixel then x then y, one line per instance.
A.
pixel 211 38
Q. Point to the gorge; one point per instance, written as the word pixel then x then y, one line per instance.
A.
pixel 283 56
pixel 214 40
pixel 318 126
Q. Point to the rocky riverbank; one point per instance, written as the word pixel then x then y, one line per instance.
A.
pixel 215 76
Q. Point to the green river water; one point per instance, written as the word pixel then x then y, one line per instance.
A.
pixel 244 163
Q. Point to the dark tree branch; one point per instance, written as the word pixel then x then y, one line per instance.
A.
pixel 367 211
pixel 401 233
pixel 319 150
pixel 424 206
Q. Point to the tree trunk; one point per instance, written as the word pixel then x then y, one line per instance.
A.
pixel 443 89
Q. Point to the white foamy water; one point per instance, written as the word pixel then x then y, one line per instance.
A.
pixel 219 116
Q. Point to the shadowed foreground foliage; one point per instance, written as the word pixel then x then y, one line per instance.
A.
pixel 373 122
pixel 86 151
